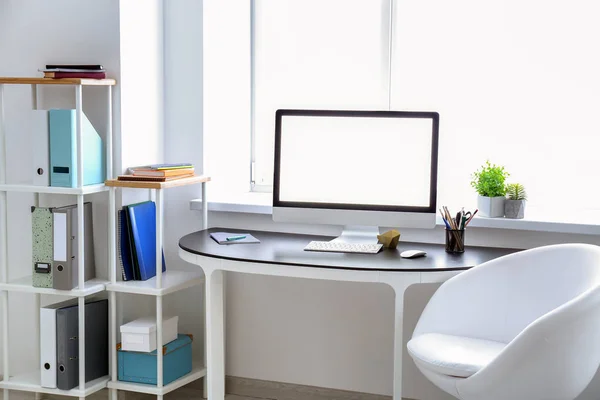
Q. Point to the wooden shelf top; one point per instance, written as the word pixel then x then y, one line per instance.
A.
pixel 157 185
pixel 61 81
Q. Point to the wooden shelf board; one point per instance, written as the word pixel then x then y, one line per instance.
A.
pixel 157 185
pixel 62 81
pixel 197 373
pixel 30 382
pixel 88 189
pixel 24 285
pixel 172 281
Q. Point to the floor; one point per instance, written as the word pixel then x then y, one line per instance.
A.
pixel 239 389
pixel 180 394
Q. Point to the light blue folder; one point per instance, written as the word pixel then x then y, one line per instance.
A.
pixel 63 152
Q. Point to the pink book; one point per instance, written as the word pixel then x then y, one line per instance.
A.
pixel 81 75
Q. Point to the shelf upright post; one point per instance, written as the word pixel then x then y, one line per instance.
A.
pixel 34 96
pixel 159 300
pixel 159 236
pixel 38 304
pixel 159 340
pixel 109 137
pixel 112 238
pixel 112 268
pixel 79 138
pixel 204 207
pixel 4 242
pixel 80 232
pixel 80 214
pixel 81 311
pixel 81 340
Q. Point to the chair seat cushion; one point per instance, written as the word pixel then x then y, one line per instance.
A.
pixel 453 355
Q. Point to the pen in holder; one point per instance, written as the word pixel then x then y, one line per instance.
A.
pixel 455 228
pixel 455 240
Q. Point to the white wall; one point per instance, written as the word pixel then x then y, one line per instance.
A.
pixel 142 82
pixel 142 111
pixel 183 143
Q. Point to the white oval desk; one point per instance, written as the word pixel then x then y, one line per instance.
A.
pixel 282 254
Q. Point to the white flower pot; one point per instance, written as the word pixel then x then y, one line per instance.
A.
pixel 491 206
pixel 514 209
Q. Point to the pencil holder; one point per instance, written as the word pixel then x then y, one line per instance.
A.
pixel 455 240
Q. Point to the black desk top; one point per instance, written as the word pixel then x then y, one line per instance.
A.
pixel 287 249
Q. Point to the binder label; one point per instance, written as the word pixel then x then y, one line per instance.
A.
pixel 60 237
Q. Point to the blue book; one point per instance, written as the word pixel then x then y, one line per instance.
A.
pixel 63 152
pixel 142 223
pixel 124 248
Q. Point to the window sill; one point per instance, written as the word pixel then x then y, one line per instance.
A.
pixel 249 203
pixel 536 220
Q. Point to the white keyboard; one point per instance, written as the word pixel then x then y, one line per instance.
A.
pixel 337 247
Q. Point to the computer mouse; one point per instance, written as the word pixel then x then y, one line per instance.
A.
pixel 412 253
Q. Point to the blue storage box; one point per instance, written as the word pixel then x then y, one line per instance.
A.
pixel 141 367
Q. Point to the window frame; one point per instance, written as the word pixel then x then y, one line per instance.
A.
pixel 259 188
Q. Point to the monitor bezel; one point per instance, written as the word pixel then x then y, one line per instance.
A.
pixel 434 116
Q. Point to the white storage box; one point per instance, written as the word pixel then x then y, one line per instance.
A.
pixel 140 335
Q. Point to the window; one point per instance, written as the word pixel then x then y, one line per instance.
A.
pixel 319 54
pixel 515 82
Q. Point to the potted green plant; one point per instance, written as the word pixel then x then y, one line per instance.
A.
pixel 516 197
pixel 489 182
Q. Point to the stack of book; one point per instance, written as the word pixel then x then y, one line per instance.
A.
pixel 159 172
pixel 84 71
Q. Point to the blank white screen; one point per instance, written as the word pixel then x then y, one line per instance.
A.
pixel 356 160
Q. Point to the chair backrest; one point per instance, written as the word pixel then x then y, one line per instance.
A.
pixel 498 299
pixel 546 278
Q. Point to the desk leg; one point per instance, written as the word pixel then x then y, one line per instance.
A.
pixel 400 285
pixel 215 344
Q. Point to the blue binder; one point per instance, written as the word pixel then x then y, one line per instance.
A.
pixel 63 152
pixel 142 219
pixel 125 249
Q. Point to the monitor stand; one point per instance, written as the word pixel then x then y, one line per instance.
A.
pixel 358 234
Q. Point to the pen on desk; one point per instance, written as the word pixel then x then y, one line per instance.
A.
pixel 238 237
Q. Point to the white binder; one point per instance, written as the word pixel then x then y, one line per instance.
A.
pixel 48 342
pixel 40 168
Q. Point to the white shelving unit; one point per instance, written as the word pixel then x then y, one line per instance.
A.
pixel 30 381
pixel 159 286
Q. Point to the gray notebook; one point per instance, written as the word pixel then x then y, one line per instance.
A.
pixel 233 238
pixel 67 343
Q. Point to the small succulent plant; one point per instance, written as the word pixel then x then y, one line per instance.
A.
pixel 516 191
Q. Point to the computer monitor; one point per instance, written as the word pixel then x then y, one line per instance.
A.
pixel 356 168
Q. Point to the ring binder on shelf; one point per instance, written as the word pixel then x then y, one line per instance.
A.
pixel 55 249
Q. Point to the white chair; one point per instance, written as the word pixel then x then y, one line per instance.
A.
pixel 525 326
